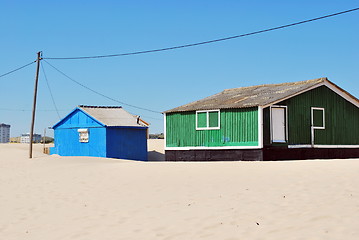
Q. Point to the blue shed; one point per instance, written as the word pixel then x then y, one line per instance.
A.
pixel 100 131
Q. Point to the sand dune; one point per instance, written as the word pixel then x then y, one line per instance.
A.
pixel 51 197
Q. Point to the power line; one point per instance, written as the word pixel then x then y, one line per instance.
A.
pixel 29 110
pixel 158 119
pixel 98 93
pixel 17 69
pixel 53 100
pixel 48 86
pixel 205 42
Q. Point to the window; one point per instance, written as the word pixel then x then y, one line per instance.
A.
pixel 318 118
pixel 83 135
pixel 206 120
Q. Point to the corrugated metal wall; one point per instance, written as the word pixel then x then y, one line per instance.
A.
pixel 266 127
pixel 127 143
pixel 67 137
pixel 341 118
pixel 239 127
pixel 67 142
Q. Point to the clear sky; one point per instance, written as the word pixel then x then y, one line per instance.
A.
pixel 164 80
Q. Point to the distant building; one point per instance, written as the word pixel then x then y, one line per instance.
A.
pixel 4 133
pixel 25 138
pixel 15 139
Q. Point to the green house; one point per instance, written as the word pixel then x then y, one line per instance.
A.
pixel 299 120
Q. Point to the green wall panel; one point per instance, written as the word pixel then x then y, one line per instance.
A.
pixel 238 127
pixel 341 118
pixel 266 127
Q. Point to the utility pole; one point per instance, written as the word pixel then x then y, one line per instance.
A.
pixel 34 103
pixel 44 141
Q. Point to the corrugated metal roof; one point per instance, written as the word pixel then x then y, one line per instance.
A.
pixel 254 96
pixel 112 116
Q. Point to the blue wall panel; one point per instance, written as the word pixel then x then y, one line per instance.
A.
pixel 67 137
pixel 67 143
pixel 127 143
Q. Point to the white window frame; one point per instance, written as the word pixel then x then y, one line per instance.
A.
pixel 312 117
pixel 84 135
pixel 207 119
pixel 312 127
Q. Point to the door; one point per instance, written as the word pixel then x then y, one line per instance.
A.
pixel 279 126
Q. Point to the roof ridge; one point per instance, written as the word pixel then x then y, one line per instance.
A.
pixel 88 106
pixel 322 79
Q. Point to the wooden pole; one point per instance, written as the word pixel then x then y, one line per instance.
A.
pixel 34 103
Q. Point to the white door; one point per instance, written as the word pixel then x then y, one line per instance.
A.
pixel 278 124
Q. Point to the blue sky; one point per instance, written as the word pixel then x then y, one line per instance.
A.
pixel 161 81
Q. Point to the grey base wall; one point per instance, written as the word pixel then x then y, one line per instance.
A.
pixel 214 155
pixel 265 154
pixel 271 154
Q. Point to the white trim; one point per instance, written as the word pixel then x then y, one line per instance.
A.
pixel 212 148
pixel 207 119
pixel 82 130
pixel 313 128
pixel 257 147
pixel 300 146
pixel 323 146
pixel 196 121
pixel 270 125
pixel 260 127
pixel 286 123
pixel 336 146
pixel 321 109
pixel 312 136
pixel 341 93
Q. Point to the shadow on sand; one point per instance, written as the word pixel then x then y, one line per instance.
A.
pixel 154 156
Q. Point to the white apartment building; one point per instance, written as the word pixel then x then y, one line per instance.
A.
pixel 4 133
pixel 25 138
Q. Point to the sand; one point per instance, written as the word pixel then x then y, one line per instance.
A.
pixel 52 197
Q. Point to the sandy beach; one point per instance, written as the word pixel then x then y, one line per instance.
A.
pixel 52 197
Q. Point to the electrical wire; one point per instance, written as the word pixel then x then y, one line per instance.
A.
pixel 17 69
pixel 98 93
pixel 29 110
pixel 205 42
pixel 52 97
pixel 158 119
